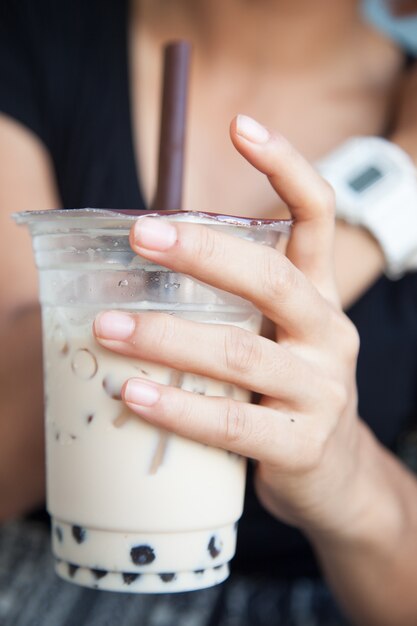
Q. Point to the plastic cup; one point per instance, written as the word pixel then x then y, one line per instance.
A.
pixel 133 508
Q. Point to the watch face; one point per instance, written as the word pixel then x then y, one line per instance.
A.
pixel 365 179
pixel 364 173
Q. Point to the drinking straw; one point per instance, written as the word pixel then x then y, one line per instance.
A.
pixel 169 187
pixel 168 195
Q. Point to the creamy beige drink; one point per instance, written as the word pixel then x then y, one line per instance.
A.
pixel 170 522
pixel 133 508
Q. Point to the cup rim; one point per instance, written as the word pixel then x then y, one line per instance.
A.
pixel 127 216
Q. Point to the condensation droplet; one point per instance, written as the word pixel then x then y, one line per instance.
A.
pixel 66 439
pixel 115 243
pixel 60 340
pixel 172 285
pixel 123 283
pixel 84 364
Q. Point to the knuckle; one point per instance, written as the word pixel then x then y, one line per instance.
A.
pixel 163 332
pixel 242 352
pixel 348 337
pixel 352 341
pixel 277 279
pixel 315 449
pixel 338 398
pixel 235 423
pixel 205 245
pixel 185 409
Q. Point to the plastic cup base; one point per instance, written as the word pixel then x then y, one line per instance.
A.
pixel 126 582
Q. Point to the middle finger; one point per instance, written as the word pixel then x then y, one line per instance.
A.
pixel 223 352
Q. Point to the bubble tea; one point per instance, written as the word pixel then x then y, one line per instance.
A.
pixel 133 508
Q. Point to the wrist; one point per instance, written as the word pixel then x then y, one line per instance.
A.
pixel 359 261
pixel 407 141
pixel 374 509
pixel 375 183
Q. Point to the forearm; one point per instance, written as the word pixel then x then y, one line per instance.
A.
pixel 21 413
pixel 372 566
pixel 359 260
pixel 27 181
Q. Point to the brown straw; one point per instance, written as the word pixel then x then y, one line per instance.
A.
pixel 168 195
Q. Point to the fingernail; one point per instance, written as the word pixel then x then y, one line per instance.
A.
pixel 154 234
pixel 251 130
pixel 138 392
pixel 114 325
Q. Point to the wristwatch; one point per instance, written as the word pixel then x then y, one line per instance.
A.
pixel 375 183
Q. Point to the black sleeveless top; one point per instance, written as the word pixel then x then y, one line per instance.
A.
pixel 64 75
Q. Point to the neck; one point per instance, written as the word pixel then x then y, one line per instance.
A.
pixel 248 29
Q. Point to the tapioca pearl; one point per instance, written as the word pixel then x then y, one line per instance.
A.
pixel 99 573
pixel 199 572
pixel 214 546
pixel 72 569
pixel 142 555
pixel 89 418
pixel 84 364
pixel 79 533
pixel 113 390
pixel 129 578
pixel 60 340
pixel 59 534
pixel 167 578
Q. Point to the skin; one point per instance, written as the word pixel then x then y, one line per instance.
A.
pixel 318 466
pixel 377 544
pixel 22 472
pixel 346 91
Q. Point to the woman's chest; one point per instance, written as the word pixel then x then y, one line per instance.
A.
pixel 315 110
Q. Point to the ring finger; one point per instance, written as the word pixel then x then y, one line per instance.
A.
pixel 271 436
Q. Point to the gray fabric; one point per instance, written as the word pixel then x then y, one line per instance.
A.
pixel 32 595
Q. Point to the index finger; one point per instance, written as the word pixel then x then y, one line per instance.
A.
pixel 309 197
pixel 254 272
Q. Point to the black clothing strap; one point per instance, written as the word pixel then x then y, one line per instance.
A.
pixel 64 75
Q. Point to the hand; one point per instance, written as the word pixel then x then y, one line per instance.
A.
pixel 304 434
